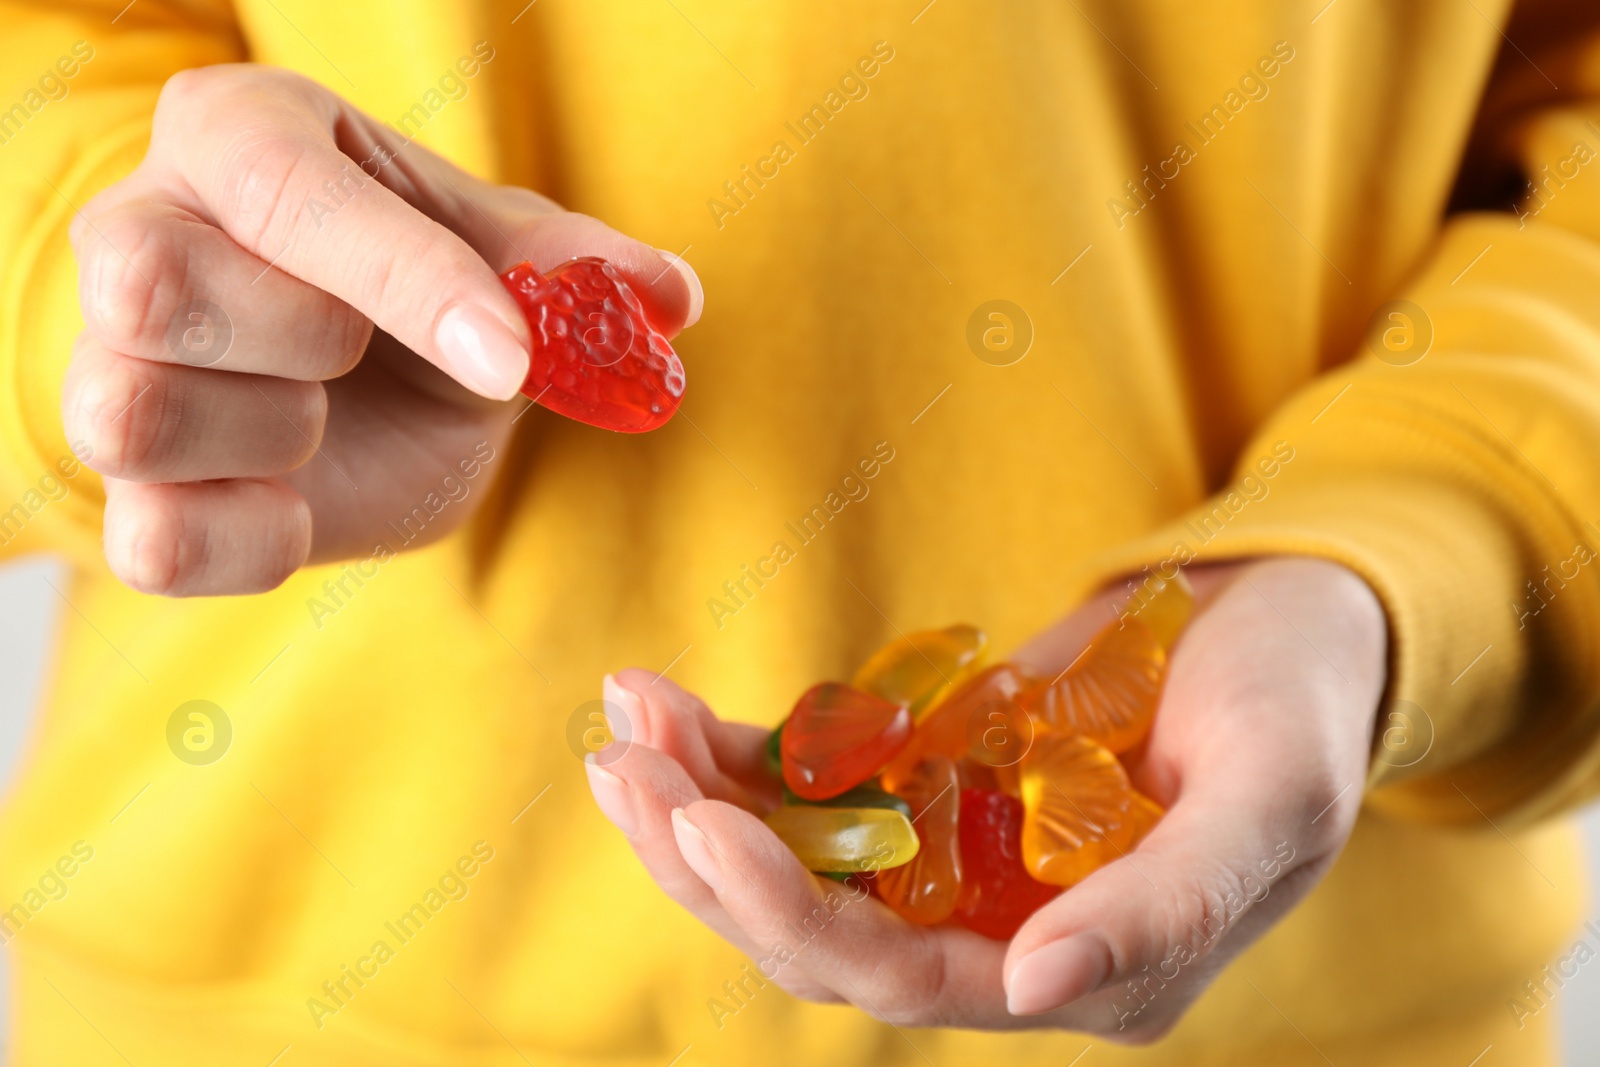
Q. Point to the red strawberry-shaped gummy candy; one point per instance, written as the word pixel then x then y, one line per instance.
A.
pixel 997 893
pixel 596 358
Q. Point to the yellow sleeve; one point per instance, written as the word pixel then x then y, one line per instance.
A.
pixel 86 77
pixel 1455 464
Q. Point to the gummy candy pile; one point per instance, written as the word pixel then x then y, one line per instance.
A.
pixel 596 357
pixel 971 794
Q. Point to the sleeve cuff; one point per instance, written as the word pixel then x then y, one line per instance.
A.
pixel 1484 630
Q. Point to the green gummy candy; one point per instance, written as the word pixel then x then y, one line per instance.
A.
pixel 862 796
pixel 775 749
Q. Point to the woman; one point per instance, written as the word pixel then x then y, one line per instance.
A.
pixel 1087 288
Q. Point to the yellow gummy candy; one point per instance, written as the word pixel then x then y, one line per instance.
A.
pixel 919 669
pixel 1164 606
pixel 845 840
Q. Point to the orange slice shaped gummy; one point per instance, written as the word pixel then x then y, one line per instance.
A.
pixel 1110 694
pixel 1080 812
pixel 917 670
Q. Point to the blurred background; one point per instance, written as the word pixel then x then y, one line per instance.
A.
pixel 32 608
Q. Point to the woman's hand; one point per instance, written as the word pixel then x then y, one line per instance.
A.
pixel 1259 752
pixel 296 335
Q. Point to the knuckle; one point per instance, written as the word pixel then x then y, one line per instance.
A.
pixel 131 275
pixel 181 91
pixel 200 92
pixel 143 541
pixel 910 996
pixel 1199 909
pixel 78 230
pixel 383 280
pixel 313 418
pixel 351 333
pixel 393 281
pixel 258 174
pixel 292 545
pixel 296 413
pixel 1328 834
pixel 162 540
pixel 121 410
pixel 230 123
pixel 1218 896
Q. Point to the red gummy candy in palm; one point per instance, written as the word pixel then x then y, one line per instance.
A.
pixel 838 737
pixel 997 893
pixel 596 358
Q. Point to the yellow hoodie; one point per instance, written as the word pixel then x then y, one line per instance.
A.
pixel 1197 215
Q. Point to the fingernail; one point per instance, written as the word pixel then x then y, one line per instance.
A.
pixel 697 292
pixel 482 351
pixel 612 797
pixel 696 850
pixel 1057 974
pixel 631 705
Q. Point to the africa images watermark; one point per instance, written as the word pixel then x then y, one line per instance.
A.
pixel 52 886
pixel 742 988
pixel 1539 596
pixel 1253 86
pixel 1537 196
pixel 454 86
pixel 53 85
pixel 738 591
pixel 853 86
pixel 1563 970
pixel 1249 489
pixel 52 487
pixel 353 577
pixel 199 732
pixel 453 886
pixel 1144 987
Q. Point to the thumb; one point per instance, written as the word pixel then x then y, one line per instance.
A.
pixel 407 239
pixel 1172 911
pixel 506 225
pixel 512 225
pixel 1264 741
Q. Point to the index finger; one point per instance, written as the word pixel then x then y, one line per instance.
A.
pixel 309 185
pixel 835 935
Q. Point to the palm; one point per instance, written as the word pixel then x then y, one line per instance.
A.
pixel 1258 752
pixel 397 434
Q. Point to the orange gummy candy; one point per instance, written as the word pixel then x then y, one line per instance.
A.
pixel 947 728
pixel 925 890
pixel 916 670
pixel 1164 605
pixel 1080 811
pixel 1110 694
